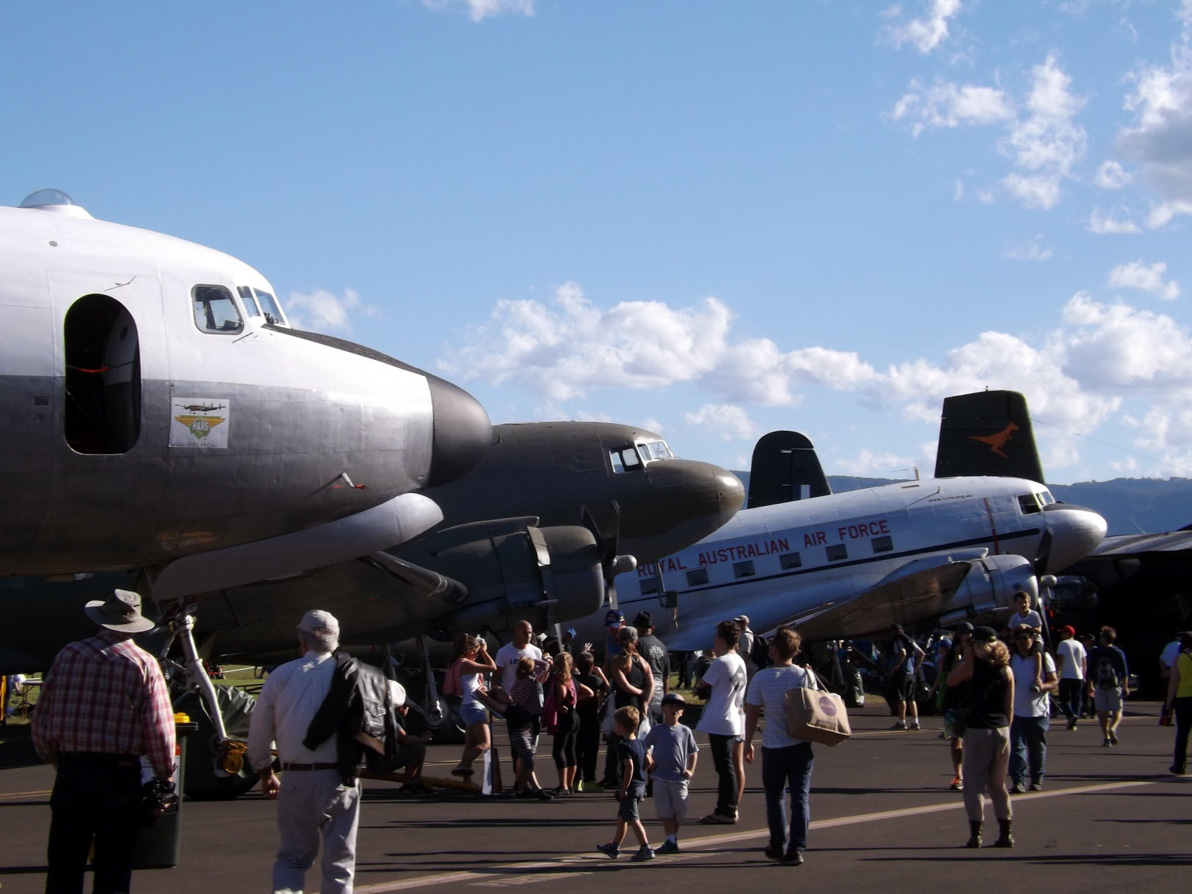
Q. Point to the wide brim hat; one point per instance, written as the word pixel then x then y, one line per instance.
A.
pixel 121 612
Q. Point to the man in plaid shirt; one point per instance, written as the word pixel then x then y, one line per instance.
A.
pixel 103 704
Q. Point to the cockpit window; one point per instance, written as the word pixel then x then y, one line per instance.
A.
pixel 1029 503
pixel 625 459
pixel 215 310
pixel 654 450
pixel 1045 497
pixel 259 303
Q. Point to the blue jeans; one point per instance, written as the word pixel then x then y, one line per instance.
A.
pixel 1028 748
pixel 784 768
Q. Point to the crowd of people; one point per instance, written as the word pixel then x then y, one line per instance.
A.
pixel 324 716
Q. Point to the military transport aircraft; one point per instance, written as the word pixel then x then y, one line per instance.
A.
pixel 161 414
pixel 851 564
pixel 553 510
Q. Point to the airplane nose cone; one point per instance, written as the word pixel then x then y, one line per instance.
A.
pixel 1075 532
pixel 463 432
pixel 685 502
pixel 731 493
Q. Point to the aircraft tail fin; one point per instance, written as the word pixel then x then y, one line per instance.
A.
pixel 785 468
pixel 987 433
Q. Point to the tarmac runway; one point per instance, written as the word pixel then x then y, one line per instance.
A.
pixel 883 819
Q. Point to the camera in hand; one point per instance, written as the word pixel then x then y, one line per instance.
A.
pixel 157 799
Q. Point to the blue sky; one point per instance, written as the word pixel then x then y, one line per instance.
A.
pixel 714 219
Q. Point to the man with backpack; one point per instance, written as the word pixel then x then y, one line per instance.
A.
pixel 1109 684
pixel 315 799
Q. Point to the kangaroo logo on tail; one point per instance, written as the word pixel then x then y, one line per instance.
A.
pixel 997 441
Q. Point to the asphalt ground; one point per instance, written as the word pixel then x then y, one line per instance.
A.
pixel 883 819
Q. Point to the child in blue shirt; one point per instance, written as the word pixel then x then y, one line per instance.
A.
pixel 631 753
pixel 671 751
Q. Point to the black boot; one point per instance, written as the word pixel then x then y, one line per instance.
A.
pixel 974 834
pixel 1005 839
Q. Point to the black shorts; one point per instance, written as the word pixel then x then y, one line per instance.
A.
pixel 904 687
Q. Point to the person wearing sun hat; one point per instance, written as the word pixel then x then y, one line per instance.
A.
pixel 103 705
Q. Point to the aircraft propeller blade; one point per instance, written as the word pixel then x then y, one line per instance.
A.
pixel 1043 556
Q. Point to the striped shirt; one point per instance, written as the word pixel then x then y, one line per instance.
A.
pixel 767 690
pixel 106 694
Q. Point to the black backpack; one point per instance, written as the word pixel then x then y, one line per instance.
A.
pixel 1106 676
pixel 759 654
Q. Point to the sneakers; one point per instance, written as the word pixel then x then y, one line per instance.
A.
pixel 668 847
pixel 1112 738
pixel 773 853
pixel 718 819
pixel 1107 743
pixel 1071 725
pixel 644 853
pixel 1017 789
pixel 957 785
pixel 609 850
pixel 462 771
pixel 901 724
pixel 1178 770
pixel 590 787
pixel 913 726
pixel 792 858
pixel 1036 786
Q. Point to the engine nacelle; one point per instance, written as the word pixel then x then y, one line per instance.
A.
pixel 511 570
pixel 987 591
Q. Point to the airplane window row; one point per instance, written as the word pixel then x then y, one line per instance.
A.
pixel 1029 503
pixel 259 303
pixel 216 310
pixel 698 577
pixel 624 459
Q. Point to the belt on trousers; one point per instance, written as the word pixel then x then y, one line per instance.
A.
pixel 332 766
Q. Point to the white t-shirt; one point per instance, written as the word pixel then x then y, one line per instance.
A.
pixel 1074 656
pixel 1027 703
pixel 723 714
pixel 507 658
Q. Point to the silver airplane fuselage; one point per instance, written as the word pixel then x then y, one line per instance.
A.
pixel 782 563
pixel 156 406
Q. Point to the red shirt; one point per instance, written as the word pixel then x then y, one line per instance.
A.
pixel 106 694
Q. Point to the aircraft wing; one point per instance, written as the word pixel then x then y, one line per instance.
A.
pixel 910 595
pixel 942 587
pixel 1124 545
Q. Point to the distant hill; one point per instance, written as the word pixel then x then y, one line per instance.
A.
pixel 1130 505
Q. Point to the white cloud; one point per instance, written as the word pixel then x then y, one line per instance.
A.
pixel 1159 138
pixel 1115 348
pixel 573 348
pixel 731 423
pixel 1104 223
pixel 925 33
pixel 1031 250
pixel 1137 275
pixel 1047 143
pixel 481 9
pixel 1111 175
pixel 1043 141
pixel 948 104
pixel 1100 358
pixel 323 311
pixel 1161 215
